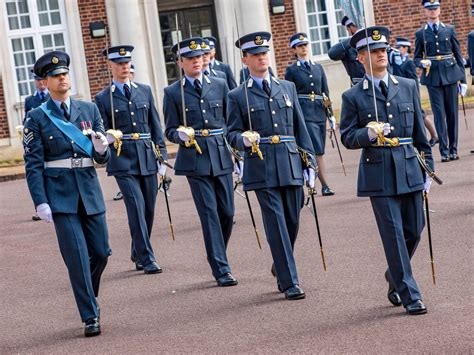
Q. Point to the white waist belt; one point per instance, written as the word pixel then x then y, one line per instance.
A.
pixel 70 163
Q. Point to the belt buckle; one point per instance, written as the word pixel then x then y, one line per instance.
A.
pixel 76 162
pixel 439 57
pixel 135 136
pixel 205 132
pixel 275 139
pixel 312 96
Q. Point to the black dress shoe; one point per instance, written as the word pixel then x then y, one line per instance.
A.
pixel 152 268
pixel 326 191
pixel 138 266
pixel 273 271
pixel 92 327
pixel 434 141
pixel 444 159
pixel 227 280
pixel 119 196
pixel 392 294
pixel 453 157
pixel 35 217
pixel 417 307
pixel 294 293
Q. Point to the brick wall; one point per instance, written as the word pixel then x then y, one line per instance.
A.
pixel 405 17
pixel 4 130
pixel 93 11
pixel 283 27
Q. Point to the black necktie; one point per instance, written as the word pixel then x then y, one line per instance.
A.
pixel 42 96
pixel 206 72
pixel 65 112
pixel 307 66
pixel 383 88
pixel 266 87
pixel 126 89
pixel 198 86
pixel 435 28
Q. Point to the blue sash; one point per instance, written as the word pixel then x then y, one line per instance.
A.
pixel 71 131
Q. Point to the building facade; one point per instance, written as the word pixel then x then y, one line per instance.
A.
pixel 34 27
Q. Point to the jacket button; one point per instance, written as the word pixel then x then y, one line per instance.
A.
pixel 273 113
pixel 271 100
pixel 72 142
pixel 50 137
pixel 437 43
pixel 312 84
pixel 75 155
pixel 186 109
pixel 388 104
pixel 202 101
pixel 368 159
pixel 311 75
pixel 132 113
pixel 116 110
pixel 390 116
pixel 203 111
pixel 134 123
pixel 275 125
pixel 252 109
pixel 369 115
pixel 130 102
pixel 206 121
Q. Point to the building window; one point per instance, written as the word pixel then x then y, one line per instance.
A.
pixel 34 27
pixel 324 25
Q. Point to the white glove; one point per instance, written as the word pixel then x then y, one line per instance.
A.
pixel 250 138
pixel 427 184
pixel 44 212
pixel 110 138
pixel 100 142
pixel 373 132
pixel 332 122
pixel 462 89
pixel 183 136
pixel 161 168
pixel 425 63
pixel 309 175
pixel 239 168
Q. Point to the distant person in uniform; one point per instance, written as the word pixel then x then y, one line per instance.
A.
pixel 310 81
pixel 62 138
pixel 407 69
pixel 137 166
pixel 389 172
pixel 206 60
pixel 207 164
pixel 272 166
pixel 217 65
pixel 346 54
pixel 33 101
pixel 438 53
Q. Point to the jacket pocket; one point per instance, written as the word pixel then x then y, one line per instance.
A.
pixel 257 113
pixel 407 113
pixel 141 112
pixel 371 171
pixel 255 169
pixel 295 161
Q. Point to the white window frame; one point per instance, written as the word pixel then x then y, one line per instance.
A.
pixel 36 31
pixel 302 25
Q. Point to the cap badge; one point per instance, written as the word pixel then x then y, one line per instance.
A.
pixel 122 51
pixel 193 45
pixel 376 35
pixel 203 45
pixel 55 60
pixel 301 38
pixel 258 40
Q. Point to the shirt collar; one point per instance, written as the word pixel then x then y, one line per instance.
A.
pixel 68 104
pixel 212 62
pixel 302 61
pixel 120 85
pixel 431 24
pixel 191 80
pixel 259 81
pixel 377 80
pixel 45 92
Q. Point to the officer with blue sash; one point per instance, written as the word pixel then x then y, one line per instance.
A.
pixel 134 162
pixel 310 81
pixel 389 172
pixel 346 54
pixel 272 167
pixel 207 164
pixel 438 53
pixel 62 138
pixel 219 66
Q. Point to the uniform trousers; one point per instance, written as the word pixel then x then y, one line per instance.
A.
pixel 214 200
pixel 84 244
pixel 400 221
pixel 139 195
pixel 444 103
pixel 281 209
